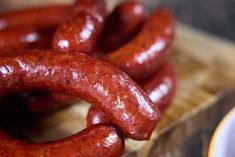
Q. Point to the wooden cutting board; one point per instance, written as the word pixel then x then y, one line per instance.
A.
pixel 205 68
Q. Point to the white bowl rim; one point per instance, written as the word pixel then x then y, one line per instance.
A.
pixel 217 131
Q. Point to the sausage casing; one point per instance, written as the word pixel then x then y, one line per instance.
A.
pixel 121 25
pixel 141 56
pixel 12 39
pixel 43 17
pixel 160 88
pixel 97 82
pixel 96 140
pixel 80 32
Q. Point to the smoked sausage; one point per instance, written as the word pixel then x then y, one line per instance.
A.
pixel 43 17
pixel 12 39
pixel 80 32
pixel 141 56
pixel 98 140
pixel 129 108
pixel 121 25
pixel 160 88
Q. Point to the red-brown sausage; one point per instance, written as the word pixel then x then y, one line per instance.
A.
pixel 95 117
pixel 125 20
pixel 80 32
pixel 122 24
pixel 24 37
pixel 151 50
pixel 142 55
pixel 163 22
pixel 129 108
pixel 43 17
pixel 95 141
pixel 160 88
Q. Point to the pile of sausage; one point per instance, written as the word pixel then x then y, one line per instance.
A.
pixel 69 52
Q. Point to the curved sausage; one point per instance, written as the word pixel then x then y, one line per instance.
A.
pixel 160 88
pixel 79 75
pixel 141 56
pixel 80 32
pixel 96 140
pixel 43 17
pixel 121 25
pixel 95 117
pixel 24 37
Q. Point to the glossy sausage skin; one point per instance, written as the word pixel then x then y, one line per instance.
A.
pixel 79 75
pixel 141 56
pixel 95 117
pixel 43 17
pixel 96 141
pixel 80 32
pixel 160 88
pixel 15 38
pixel 122 24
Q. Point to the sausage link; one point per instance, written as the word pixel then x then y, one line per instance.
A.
pixel 160 88
pixel 163 30
pixel 97 140
pixel 24 37
pixel 95 117
pixel 97 82
pixel 150 46
pixel 141 56
pixel 43 17
pixel 88 17
pixel 81 31
pixel 122 24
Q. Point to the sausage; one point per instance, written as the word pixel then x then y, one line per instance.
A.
pixel 150 47
pixel 24 37
pixel 125 20
pixel 95 117
pixel 164 35
pixel 96 140
pixel 88 17
pixel 43 17
pixel 160 88
pixel 141 56
pixel 80 32
pixel 79 75
pixel 122 24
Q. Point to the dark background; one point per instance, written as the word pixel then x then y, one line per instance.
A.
pixel 215 16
